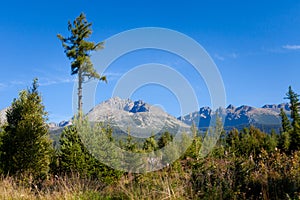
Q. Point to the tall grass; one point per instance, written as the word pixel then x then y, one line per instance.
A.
pixel 54 188
pixel 268 176
pixel 156 185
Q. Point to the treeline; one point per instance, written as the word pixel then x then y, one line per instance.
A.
pixel 247 164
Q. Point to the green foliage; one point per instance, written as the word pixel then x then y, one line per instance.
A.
pixel 220 178
pixel 271 142
pixel 73 155
pixel 250 142
pixel 233 140
pixel 284 138
pixel 165 138
pixel 292 133
pixel 213 136
pixel 242 165
pixel 130 145
pixel 285 122
pixel 284 141
pixel 132 158
pixel 26 145
pixel 150 144
pixel 246 164
pixel 295 137
pixel 194 148
pixel 78 50
pixel 171 153
pixel 294 104
pixel 76 157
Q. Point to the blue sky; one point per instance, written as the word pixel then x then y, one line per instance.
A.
pixel 255 44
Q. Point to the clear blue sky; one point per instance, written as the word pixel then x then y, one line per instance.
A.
pixel 255 44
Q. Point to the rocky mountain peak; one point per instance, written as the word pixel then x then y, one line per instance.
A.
pixel 285 106
pixel 3 116
pixel 266 117
pixel 230 107
pixel 139 106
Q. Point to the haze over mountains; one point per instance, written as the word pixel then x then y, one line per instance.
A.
pixel 142 119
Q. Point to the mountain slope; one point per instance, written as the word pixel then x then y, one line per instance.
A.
pixel 3 116
pixel 266 118
pixel 140 118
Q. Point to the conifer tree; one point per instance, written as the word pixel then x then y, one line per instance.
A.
pixel 295 138
pixel 75 157
pixel 26 143
pixel 294 106
pixel 150 144
pixel 72 152
pixel 130 145
pixel 285 122
pixel 78 50
pixel 164 139
pixel 284 138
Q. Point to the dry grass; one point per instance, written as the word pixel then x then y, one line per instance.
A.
pixel 55 188
pixel 271 176
pixel 158 185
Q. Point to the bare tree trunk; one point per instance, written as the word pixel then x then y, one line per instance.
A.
pixel 80 81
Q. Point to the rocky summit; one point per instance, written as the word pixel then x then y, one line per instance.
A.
pixel 266 117
pixel 140 118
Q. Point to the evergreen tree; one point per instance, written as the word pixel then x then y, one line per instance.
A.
pixel 295 133
pixel 285 122
pixel 72 152
pixel 194 148
pixel 295 138
pixel 78 50
pixel 75 157
pixel 26 143
pixel 284 138
pixel 233 140
pixel 271 141
pixel 130 145
pixel 133 160
pixel 164 139
pixel 294 105
pixel 251 141
pixel 150 144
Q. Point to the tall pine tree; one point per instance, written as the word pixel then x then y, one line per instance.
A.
pixel 78 50
pixel 26 144
pixel 294 106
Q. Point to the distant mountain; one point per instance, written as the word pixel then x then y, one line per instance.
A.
pixel 3 116
pixel 140 118
pixel 265 118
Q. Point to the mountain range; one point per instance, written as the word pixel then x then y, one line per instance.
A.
pixel 139 117
pixel 142 119
pixel 266 118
